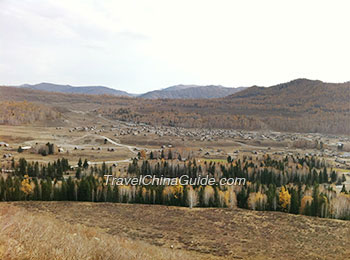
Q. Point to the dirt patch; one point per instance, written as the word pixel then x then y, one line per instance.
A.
pixel 14 139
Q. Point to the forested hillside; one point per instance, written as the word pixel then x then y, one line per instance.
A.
pixel 18 113
pixel 298 106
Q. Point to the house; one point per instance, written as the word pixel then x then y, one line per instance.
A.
pixel 4 144
pixel 25 147
pixel 340 146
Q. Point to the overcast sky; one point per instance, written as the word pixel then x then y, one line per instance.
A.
pixel 139 46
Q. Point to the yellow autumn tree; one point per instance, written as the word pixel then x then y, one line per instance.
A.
pixel 177 190
pixel 306 200
pixel 26 188
pixel 143 154
pixel 284 199
pixel 230 198
pixel 257 201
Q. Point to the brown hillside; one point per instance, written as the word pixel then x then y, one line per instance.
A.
pixel 213 232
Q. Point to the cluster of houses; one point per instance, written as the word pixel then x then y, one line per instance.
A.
pixel 6 155
pixel 322 145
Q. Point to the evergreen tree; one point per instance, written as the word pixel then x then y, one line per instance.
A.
pixel 86 164
pixel 46 189
pixel 84 191
pixel 294 203
pixel 78 173
pixel 315 202
pixel 334 177
pixel 344 189
pixel 80 163
pixel 170 155
pixel 70 189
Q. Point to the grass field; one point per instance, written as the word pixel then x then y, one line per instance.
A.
pixel 28 235
pixel 204 232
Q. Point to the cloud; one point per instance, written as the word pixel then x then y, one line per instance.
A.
pixel 143 45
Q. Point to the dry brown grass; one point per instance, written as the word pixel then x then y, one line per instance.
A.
pixel 25 235
pixel 210 232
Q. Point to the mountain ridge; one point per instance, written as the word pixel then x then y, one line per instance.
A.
pixel 92 90
pixel 180 91
pixel 191 92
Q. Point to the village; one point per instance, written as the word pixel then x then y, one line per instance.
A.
pixel 117 142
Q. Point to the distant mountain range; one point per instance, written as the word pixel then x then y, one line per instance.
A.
pixel 90 90
pixel 174 92
pixel 191 92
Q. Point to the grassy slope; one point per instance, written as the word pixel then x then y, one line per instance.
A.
pixel 29 235
pixel 223 233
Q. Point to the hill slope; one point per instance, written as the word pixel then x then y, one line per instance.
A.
pixel 213 232
pixel 191 92
pixel 297 106
pixel 293 91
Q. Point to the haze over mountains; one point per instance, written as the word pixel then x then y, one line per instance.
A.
pixel 174 92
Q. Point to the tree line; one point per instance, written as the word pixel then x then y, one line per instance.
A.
pixel 294 185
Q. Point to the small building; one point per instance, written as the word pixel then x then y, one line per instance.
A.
pixel 3 144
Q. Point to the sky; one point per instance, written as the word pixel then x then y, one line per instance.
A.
pixel 138 46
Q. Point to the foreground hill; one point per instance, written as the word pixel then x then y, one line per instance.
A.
pixel 191 92
pixel 207 232
pixel 91 90
pixel 28 235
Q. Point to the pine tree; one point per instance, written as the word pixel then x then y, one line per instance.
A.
pixel 344 189
pixel 86 164
pixel 179 157
pixel 334 177
pixel 294 203
pixel 46 189
pixel 80 163
pixel 170 155
pixel 84 191
pixel 315 202
pixel 36 193
pixel 2 188
pixel 70 189
pixel 22 166
pixel 78 173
